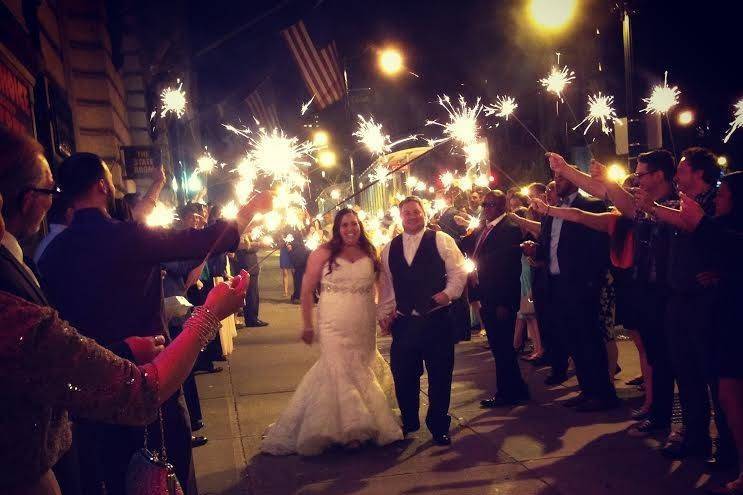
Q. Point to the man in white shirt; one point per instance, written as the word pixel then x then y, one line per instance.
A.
pixel 422 273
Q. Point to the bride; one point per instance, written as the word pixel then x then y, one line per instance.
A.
pixel 347 397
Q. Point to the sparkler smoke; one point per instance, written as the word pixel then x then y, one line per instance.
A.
pixel 161 216
pixel 462 126
pixel 173 100
pixel 601 110
pixel 662 99
pixel 737 120
pixel 306 106
pixel 557 80
pixel 504 107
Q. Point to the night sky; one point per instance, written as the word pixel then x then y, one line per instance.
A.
pixel 481 48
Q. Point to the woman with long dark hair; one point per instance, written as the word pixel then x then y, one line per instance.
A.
pixel 347 397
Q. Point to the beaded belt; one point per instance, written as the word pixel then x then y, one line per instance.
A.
pixel 365 289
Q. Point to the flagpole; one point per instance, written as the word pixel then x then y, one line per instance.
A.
pixel 349 116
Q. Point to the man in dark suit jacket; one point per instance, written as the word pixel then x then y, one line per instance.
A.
pixel 498 277
pixel 104 277
pixel 576 259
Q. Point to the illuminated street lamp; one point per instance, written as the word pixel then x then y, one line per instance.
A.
pixel 390 61
pixel 326 158
pixel 320 139
pixel 686 117
pixel 552 15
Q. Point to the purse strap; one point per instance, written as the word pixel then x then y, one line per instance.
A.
pixel 163 449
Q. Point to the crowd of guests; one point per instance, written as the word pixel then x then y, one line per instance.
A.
pixel 92 368
pixel 574 258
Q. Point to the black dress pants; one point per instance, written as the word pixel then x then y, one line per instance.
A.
pixel 574 319
pixel 417 341
pixel 500 338
pixel 252 301
pixel 689 321
pixel 649 316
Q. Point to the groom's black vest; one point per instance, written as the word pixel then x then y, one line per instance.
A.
pixel 416 284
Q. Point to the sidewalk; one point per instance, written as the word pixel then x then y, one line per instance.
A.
pixel 539 448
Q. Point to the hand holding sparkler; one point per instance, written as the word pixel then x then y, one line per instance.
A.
pixel 260 203
pixel 529 248
pixel 557 162
pixel 540 206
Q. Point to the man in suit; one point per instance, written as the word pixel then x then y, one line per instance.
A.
pixel 247 259
pixel 27 186
pixel 117 289
pixel 498 277
pixel 576 259
pixel 422 273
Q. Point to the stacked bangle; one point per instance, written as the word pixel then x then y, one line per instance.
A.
pixel 204 323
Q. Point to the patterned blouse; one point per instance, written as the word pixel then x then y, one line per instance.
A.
pixel 47 369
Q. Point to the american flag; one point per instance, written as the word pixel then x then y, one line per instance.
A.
pixel 320 69
pixel 261 106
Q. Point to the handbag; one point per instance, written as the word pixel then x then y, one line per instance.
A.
pixel 149 472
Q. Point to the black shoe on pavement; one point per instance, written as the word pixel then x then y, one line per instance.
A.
pixel 576 401
pixel 442 439
pixel 646 428
pixel 256 323
pixel 554 379
pixel 196 425
pixel 595 405
pixel 503 401
pixel 198 441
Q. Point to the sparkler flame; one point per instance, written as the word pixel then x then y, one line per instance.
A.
pixel 306 106
pixel 162 216
pixel 229 211
pixel 662 99
pixel 206 163
pixel 469 265
pixel 462 126
pixel 370 135
pixel 476 153
pixel 557 80
pixel 600 109
pixel 474 223
pixel 380 174
pixel 447 179
pixel 173 100
pixel 503 107
pixel 313 241
pixel 737 120
pixel 280 156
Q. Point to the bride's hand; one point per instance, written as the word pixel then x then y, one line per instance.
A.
pixel 308 335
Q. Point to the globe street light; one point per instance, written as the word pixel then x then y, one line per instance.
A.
pixel 552 15
pixel 390 61
pixel 686 117
pixel 326 158
pixel 320 139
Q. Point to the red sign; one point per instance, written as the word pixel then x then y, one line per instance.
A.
pixel 15 101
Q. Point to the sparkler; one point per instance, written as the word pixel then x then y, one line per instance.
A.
pixel 229 211
pixel 161 216
pixel 600 109
pixel 256 233
pixel 272 220
pixel 469 265
pixel 206 163
pixel 476 153
pixel 737 120
pixel 243 190
pixel 306 106
pixel 440 204
pixel 313 241
pixel 380 174
pixel 411 182
pixel 462 126
pixel 557 80
pixel 447 179
pixel 173 100
pixel 370 135
pixel 279 156
pixel 465 184
pixel 474 223
pixel 482 180
pixel 662 99
pixel 504 107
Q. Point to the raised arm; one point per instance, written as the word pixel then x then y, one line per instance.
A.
pixel 580 179
pixel 49 362
pixel 142 210
pixel 595 221
pixel 310 281
pixel 530 226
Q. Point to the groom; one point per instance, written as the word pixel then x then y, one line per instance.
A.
pixel 422 273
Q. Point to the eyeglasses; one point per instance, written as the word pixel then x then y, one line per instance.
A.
pixel 638 175
pixel 49 192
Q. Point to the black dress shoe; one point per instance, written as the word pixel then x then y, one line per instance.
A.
pixel 196 425
pixel 576 401
pixel 503 401
pixel 595 405
pixel 554 379
pixel 256 323
pixel 198 441
pixel 442 439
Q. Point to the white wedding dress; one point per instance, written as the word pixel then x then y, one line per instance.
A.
pixel 348 394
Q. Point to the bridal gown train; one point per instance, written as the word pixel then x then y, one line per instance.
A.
pixel 348 394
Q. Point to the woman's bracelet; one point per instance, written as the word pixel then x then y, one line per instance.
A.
pixel 204 323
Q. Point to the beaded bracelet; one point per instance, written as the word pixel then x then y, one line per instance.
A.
pixel 204 323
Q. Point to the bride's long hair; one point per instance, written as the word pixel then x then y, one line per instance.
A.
pixel 336 242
